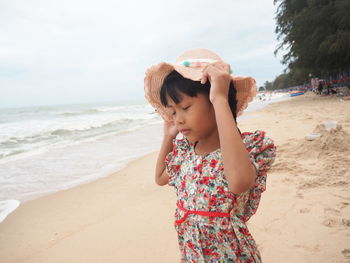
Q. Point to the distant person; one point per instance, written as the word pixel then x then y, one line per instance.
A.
pixel 320 88
pixel 332 90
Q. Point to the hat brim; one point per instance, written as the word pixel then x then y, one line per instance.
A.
pixel 155 76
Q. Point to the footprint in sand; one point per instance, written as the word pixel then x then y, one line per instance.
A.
pixel 331 211
pixel 330 222
pixel 345 222
pixel 304 210
pixel 287 180
pixel 342 205
pixel 299 195
pixel 282 166
pixel 343 197
pixel 332 216
pixel 346 253
pixel 310 248
pixel 307 184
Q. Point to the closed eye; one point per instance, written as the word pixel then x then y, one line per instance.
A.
pixel 184 108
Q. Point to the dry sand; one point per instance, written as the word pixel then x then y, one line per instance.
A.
pixel 304 215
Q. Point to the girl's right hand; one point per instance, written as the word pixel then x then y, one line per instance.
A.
pixel 169 129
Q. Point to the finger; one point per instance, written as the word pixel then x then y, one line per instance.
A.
pixel 204 79
pixel 204 68
pixel 222 65
pixel 205 75
pixel 225 67
pixel 211 69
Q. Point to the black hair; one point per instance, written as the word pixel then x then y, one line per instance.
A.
pixel 175 83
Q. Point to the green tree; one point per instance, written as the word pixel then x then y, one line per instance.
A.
pixel 316 36
pixel 281 82
pixel 268 85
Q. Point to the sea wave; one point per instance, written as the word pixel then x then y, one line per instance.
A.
pixel 108 109
pixel 18 144
pixel 85 112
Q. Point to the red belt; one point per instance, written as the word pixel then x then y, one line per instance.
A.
pixel 202 213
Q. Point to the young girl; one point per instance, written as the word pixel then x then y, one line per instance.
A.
pixel 218 172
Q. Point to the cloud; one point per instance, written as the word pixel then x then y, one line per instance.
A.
pixel 83 51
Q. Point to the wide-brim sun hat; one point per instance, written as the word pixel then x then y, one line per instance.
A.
pixel 190 64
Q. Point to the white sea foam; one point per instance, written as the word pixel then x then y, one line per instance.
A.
pixel 7 207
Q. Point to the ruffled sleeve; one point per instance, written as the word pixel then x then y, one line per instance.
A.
pixel 262 152
pixel 174 159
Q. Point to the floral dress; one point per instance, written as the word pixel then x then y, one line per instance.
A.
pixel 210 220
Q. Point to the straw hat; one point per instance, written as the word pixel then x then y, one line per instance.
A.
pixel 189 65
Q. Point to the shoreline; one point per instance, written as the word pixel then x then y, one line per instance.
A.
pixel 107 219
pixel 7 206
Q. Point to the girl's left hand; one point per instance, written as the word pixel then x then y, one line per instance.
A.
pixel 218 74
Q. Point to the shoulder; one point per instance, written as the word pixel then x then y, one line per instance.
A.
pixel 258 139
pixel 181 146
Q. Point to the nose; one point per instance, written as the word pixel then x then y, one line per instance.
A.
pixel 179 118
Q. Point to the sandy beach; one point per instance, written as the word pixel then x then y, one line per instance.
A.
pixel 304 215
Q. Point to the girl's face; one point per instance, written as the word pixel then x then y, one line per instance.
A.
pixel 194 117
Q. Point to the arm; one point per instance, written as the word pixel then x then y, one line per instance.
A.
pixel 162 178
pixel 239 171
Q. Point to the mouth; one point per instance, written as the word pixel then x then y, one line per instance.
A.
pixel 185 131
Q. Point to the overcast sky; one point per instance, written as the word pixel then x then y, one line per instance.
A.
pixel 63 52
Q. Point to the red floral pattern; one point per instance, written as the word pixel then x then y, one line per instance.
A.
pixel 200 185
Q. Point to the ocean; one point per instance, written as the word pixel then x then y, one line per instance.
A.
pixel 51 148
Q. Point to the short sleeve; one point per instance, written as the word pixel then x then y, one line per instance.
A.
pixel 262 152
pixel 174 160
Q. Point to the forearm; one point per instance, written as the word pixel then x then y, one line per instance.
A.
pixel 166 147
pixel 238 168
